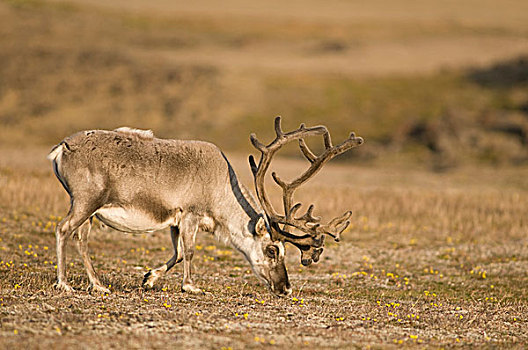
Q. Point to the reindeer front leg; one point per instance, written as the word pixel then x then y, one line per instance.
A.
pixel 153 275
pixel 189 228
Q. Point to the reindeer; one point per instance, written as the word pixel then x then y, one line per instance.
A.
pixel 134 182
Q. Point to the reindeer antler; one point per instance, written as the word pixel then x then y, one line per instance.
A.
pixel 312 242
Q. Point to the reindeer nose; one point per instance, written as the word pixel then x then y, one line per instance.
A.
pixel 287 291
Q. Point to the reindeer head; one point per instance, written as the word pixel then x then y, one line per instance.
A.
pixel 267 258
pixel 310 241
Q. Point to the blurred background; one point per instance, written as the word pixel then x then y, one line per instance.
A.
pixel 438 84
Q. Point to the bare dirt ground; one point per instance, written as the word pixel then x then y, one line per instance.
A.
pixel 434 260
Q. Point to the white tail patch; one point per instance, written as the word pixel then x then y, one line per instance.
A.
pixel 143 134
pixel 56 152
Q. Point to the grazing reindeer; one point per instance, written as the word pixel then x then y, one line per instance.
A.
pixel 134 182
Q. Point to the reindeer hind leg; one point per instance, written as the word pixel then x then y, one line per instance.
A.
pixel 82 246
pixel 77 215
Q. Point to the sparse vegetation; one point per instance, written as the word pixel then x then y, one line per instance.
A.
pixel 434 260
pixel 431 259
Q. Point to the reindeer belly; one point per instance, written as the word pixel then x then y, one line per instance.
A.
pixel 131 219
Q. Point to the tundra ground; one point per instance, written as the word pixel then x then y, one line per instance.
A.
pixel 436 260
pixel 430 260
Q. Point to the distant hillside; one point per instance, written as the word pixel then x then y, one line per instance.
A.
pixel 66 67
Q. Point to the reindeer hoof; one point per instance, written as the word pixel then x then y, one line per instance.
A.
pixel 149 279
pixel 63 287
pixel 98 288
pixel 146 278
pixel 189 288
pixel 148 285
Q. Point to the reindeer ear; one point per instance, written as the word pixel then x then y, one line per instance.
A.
pixel 260 227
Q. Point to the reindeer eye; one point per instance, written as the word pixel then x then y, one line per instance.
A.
pixel 271 251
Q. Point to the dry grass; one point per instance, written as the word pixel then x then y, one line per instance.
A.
pixel 430 259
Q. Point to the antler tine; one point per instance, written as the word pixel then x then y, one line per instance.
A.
pixel 308 154
pixel 261 147
pixel 253 165
pixel 327 140
pixel 308 217
pixel 294 209
pixel 278 127
pixel 337 225
pixel 279 181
